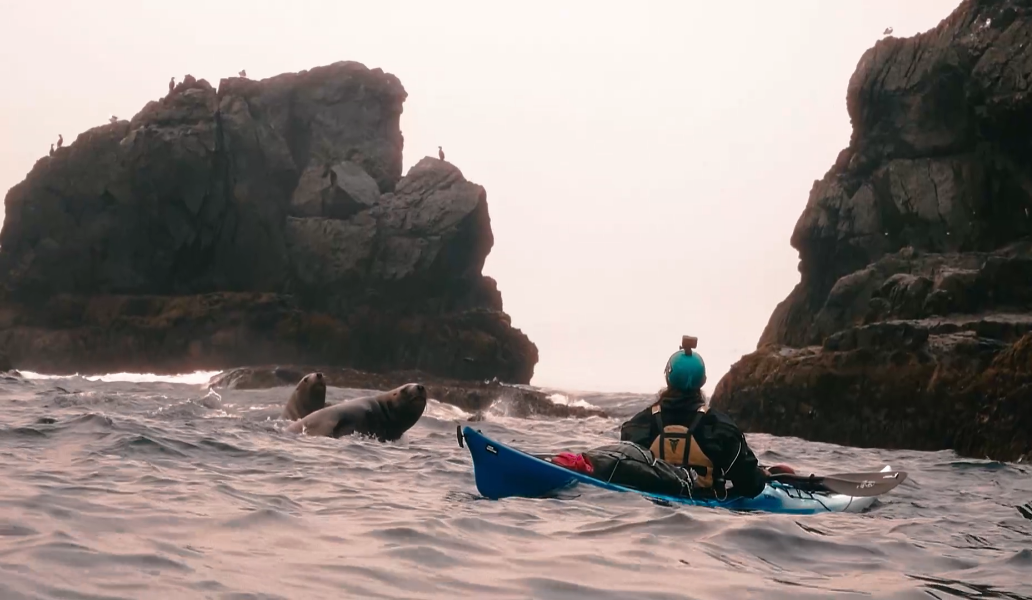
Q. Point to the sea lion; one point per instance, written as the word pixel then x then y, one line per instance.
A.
pixel 309 396
pixel 385 416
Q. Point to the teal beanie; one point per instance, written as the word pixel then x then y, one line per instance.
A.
pixel 685 373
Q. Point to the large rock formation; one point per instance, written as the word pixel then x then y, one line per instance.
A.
pixel 911 326
pixel 264 222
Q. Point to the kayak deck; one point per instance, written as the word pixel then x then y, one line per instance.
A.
pixel 501 471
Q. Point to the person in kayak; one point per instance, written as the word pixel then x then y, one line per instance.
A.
pixel 679 429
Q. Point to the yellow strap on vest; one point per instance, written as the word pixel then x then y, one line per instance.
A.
pixel 669 446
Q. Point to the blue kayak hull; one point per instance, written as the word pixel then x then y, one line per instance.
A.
pixel 501 471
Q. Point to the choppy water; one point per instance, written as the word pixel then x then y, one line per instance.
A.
pixel 159 490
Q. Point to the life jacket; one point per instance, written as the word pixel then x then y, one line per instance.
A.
pixel 669 446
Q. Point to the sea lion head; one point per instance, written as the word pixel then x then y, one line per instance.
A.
pixel 315 384
pixel 404 406
pixel 309 396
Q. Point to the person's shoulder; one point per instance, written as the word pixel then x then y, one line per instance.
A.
pixel 717 417
pixel 717 413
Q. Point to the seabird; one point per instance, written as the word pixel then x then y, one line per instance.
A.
pixel 440 152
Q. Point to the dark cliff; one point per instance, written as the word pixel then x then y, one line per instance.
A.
pixel 911 326
pixel 266 221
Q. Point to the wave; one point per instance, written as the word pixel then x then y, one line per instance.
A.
pixel 195 378
pixel 131 489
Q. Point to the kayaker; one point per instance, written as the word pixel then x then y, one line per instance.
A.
pixel 679 429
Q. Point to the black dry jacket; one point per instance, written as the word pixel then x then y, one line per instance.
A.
pixel 717 435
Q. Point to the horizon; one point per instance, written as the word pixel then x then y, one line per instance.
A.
pixel 643 172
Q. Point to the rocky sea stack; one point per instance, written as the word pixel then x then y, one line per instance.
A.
pixel 911 326
pixel 263 222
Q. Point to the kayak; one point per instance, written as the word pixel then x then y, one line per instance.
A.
pixel 501 471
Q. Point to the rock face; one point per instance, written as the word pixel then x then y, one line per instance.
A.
pixel 267 221
pixel 911 326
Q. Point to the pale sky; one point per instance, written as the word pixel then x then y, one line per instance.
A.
pixel 645 162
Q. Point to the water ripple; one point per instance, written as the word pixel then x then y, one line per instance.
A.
pixel 129 490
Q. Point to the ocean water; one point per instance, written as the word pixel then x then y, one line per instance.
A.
pixel 163 489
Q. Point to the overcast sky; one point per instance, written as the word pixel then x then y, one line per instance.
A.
pixel 645 163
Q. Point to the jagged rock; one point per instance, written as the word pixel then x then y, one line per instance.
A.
pixel 265 221
pixel 915 254
pixel 1002 391
pixel 334 191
